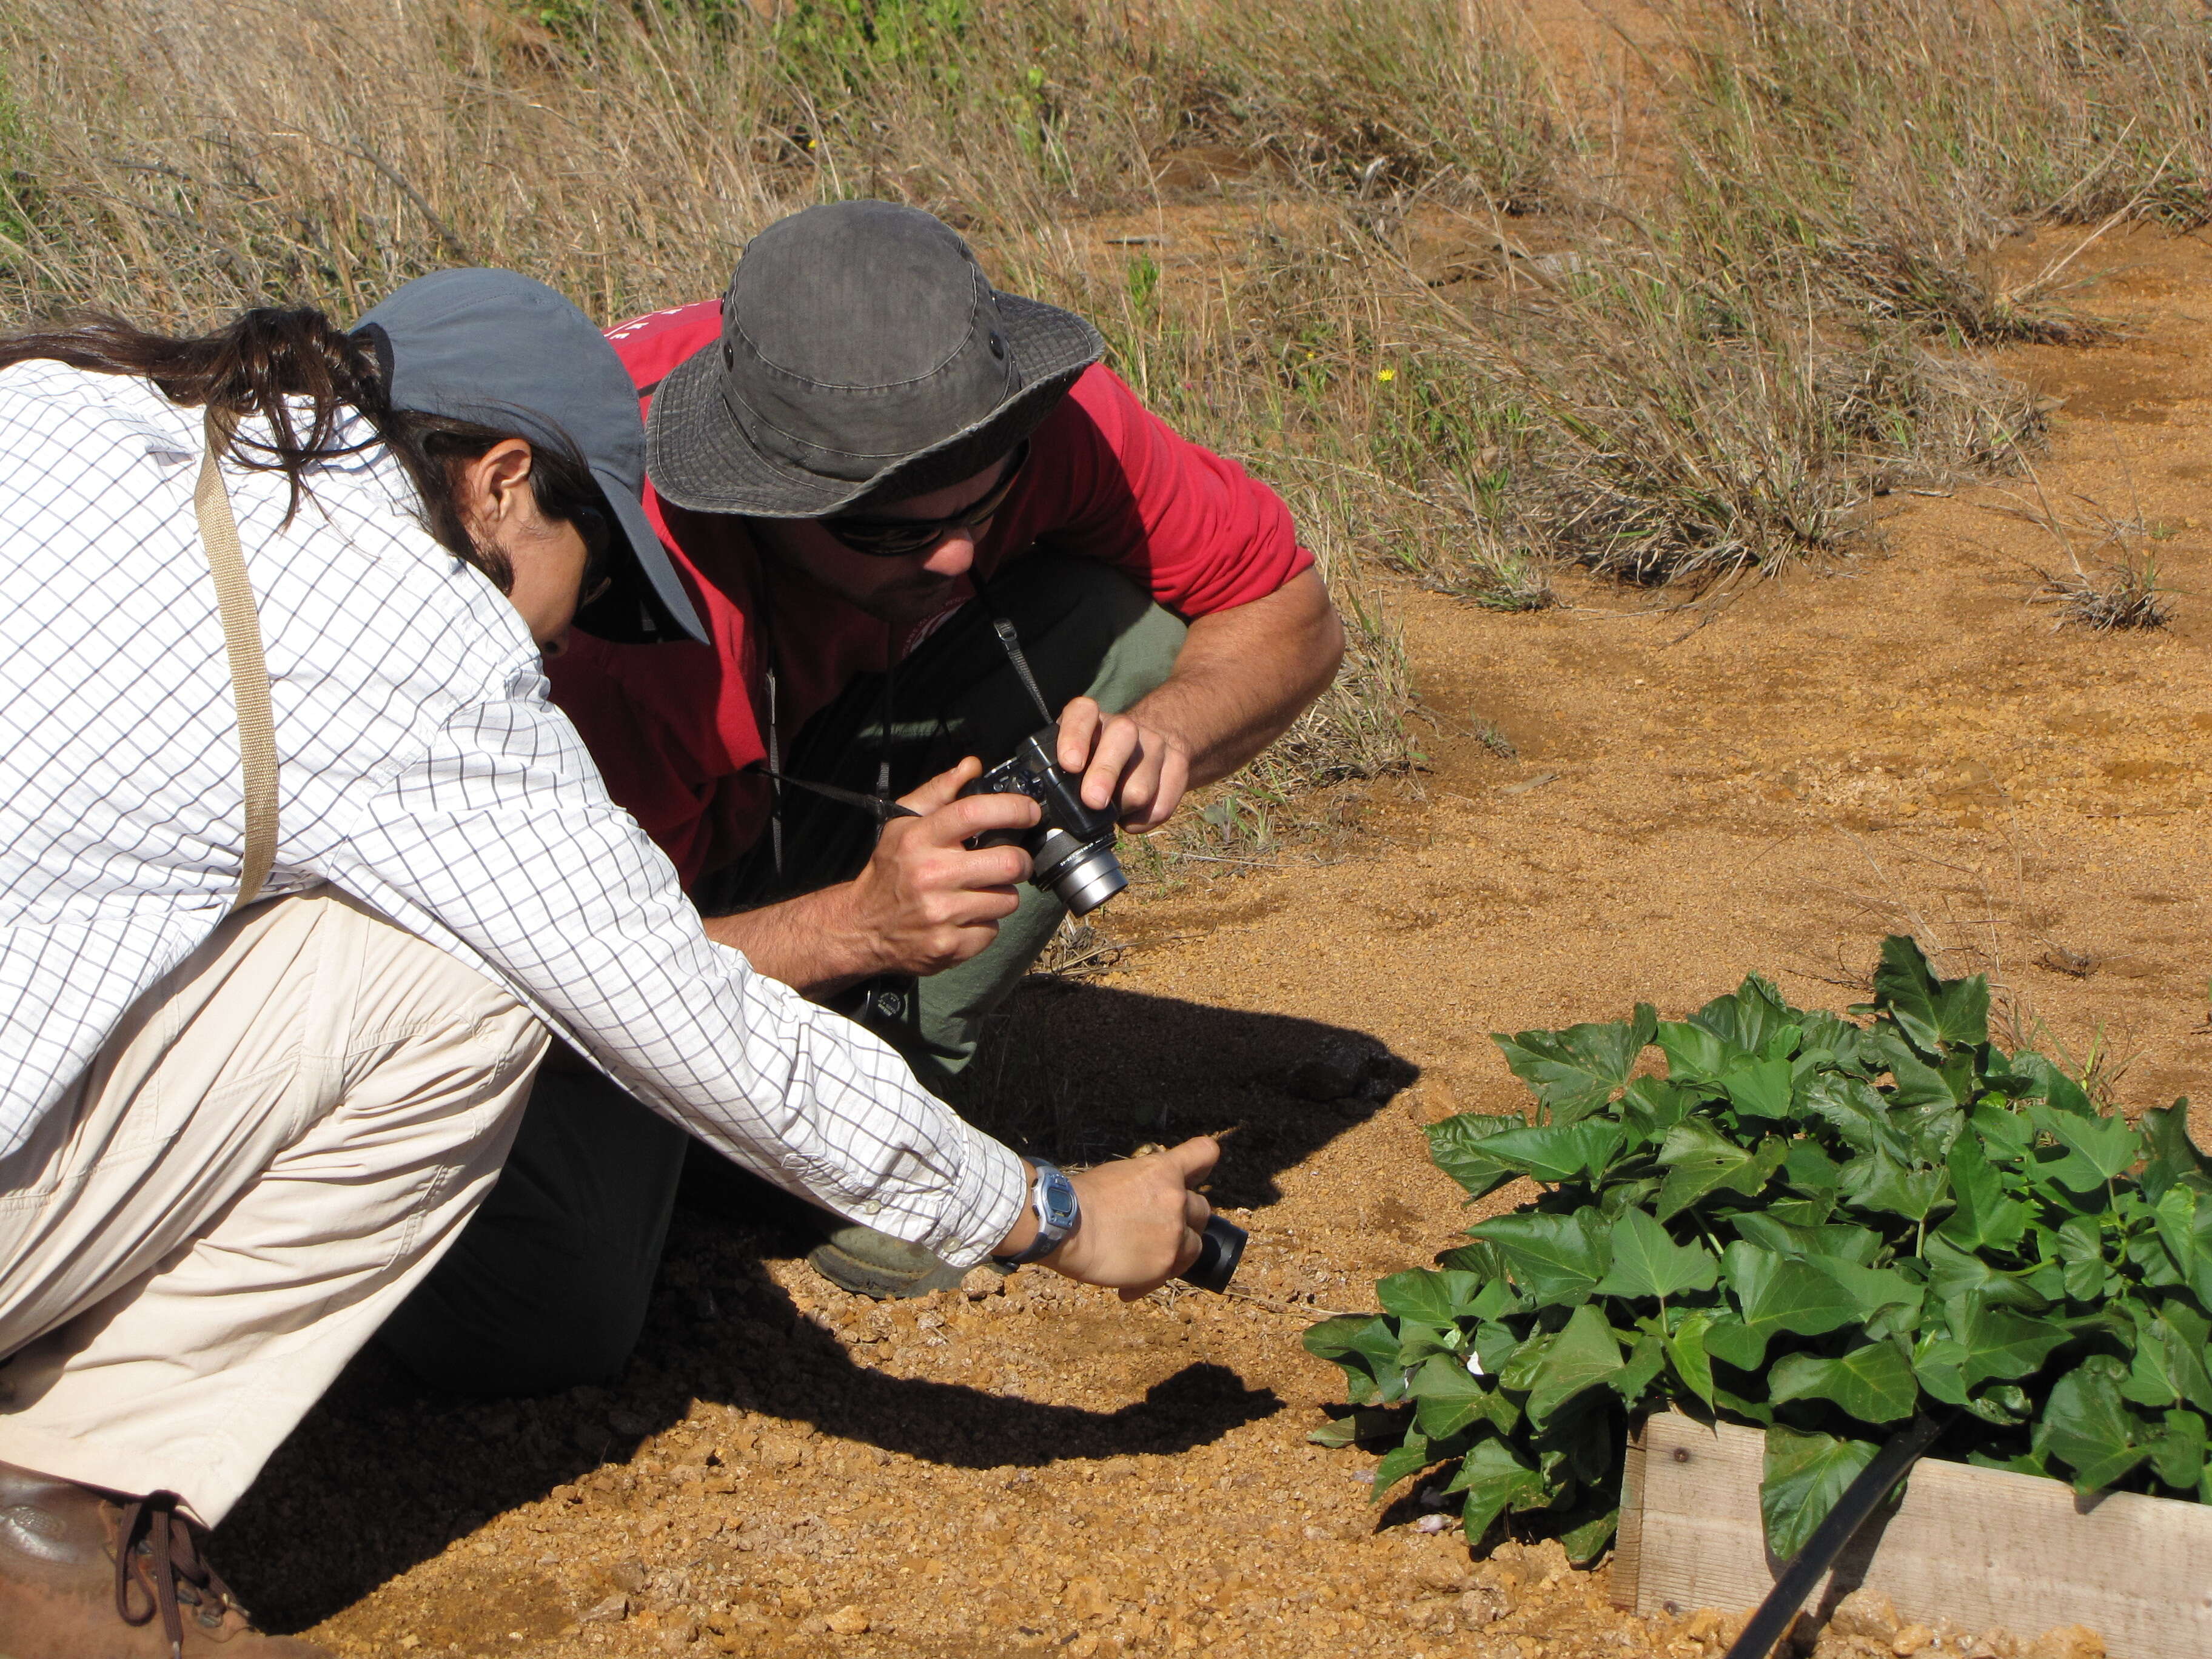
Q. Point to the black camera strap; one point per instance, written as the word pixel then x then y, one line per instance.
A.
pixel 878 805
pixel 1012 641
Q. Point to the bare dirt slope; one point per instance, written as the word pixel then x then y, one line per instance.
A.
pixel 1899 743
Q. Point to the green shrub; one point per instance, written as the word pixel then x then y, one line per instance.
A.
pixel 1808 1223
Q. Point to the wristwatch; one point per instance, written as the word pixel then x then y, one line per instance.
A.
pixel 1057 1213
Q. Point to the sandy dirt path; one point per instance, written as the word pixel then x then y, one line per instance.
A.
pixel 1900 742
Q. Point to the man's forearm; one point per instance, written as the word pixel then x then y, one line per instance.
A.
pixel 1243 676
pixel 810 943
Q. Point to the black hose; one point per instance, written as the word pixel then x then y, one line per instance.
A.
pixel 1860 1499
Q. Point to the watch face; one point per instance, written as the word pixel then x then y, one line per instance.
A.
pixel 1056 1194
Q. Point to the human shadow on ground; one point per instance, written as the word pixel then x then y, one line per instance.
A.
pixel 1082 1072
pixel 384 1475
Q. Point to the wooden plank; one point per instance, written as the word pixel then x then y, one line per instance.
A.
pixel 1982 1547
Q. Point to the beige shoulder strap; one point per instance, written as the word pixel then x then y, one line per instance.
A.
pixel 249 673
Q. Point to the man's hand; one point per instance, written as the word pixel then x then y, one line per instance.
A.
pixel 924 902
pixel 1140 769
pixel 1143 1221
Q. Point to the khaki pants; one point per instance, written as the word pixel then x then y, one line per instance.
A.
pixel 268 1155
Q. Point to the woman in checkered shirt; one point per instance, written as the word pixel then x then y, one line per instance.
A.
pixel 252 1082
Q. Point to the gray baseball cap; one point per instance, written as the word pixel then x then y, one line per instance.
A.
pixel 864 357
pixel 503 351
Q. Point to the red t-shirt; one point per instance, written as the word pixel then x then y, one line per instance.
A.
pixel 676 729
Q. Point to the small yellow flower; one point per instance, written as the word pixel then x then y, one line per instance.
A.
pixel 1385 374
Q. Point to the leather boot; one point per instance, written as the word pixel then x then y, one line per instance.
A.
pixel 86 1574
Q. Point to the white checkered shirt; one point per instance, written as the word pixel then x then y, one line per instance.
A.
pixel 423 770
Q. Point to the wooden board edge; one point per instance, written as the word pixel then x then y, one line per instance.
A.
pixel 1628 1539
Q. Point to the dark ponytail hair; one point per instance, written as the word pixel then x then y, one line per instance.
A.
pixel 266 360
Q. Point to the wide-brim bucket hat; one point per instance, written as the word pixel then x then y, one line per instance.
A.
pixel 864 357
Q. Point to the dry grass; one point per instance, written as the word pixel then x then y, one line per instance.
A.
pixel 1722 356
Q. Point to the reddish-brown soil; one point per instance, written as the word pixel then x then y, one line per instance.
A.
pixel 1901 742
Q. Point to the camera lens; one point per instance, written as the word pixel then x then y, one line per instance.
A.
pixel 1218 1252
pixel 1088 879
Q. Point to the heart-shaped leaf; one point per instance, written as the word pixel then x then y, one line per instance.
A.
pixel 1455 1147
pixel 1581 1355
pixel 1647 1262
pixel 1774 1294
pixel 2086 1426
pixel 1575 1072
pixel 1553 1258
pixel 1430 1299
pixel 1871 1382
pixel 1806 1474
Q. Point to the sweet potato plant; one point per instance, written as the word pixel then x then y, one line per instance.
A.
pixel 1812 1224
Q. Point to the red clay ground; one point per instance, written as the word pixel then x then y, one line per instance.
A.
pixel 1898 742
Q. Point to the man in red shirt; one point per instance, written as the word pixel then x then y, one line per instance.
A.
pixel 863 460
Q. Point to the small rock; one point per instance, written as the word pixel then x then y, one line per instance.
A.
pixel 1867 1613
pixel 566 1494
pixel 680 1633
pixel 628 1575
pixel 1911 1639
pixel 2067 1642
pixel 410 1642
pixel 849 1621
pixel 1432 1523
pixel 1702 1623
pixel 1478 1608
pixel 781 1452
pixel 1995 1643
pixel 611 1610
pixel 629 1424
pixel 1441 1576
pixel 1546 1562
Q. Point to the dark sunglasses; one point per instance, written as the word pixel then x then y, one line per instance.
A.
pixel 901 539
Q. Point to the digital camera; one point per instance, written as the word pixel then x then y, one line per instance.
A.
pixel 1071 848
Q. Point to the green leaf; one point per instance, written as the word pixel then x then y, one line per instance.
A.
pixel 1875 1292
pixel 2054 1085
pixel 1685 1346
pixel 1856 1110
pixel 1872 1384
pixel 1875 1181
pixel 1495 1479
pixel 1760 1088
pixel 1355 1426
pixel 1751 1021
pixel 1647 1262
pixel 1694 1053
pixel 2189 1354
pixel 1983 1218
pixel 2170 1154
pixel 1839 1242
pixel 1774 1294
pixel 1449 1399
pixel 1455 1147
pixel 1416 1342
pixel 1409 1458
pixel 1806 1474
pixel 2100 1149
pixel 1585 1541
pixel 1559 1151
pixel 1699 1160
pixel 1651 1107
pixel 1581 1355
pixel 1430 1298
pixel 2085 1426
pixel 1553 1258
pixel 1935 1013
pixel 1575 1071
pixel 1953 1275
pixel 1646 1359
pixel 2179 1455
pixel 1981 1343
pixel 1809 1170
